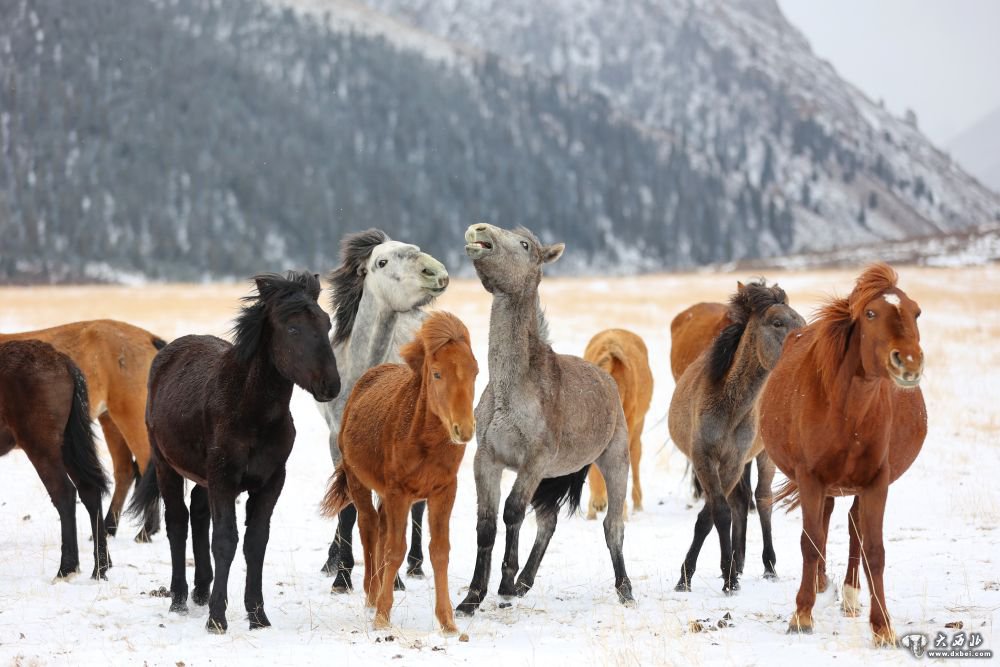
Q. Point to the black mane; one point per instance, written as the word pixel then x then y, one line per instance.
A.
pixel 285 294
pixel 753 299
pixel 348 281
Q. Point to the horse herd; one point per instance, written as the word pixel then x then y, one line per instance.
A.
pixel 835 405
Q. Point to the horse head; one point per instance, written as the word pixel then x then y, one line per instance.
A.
pixel 508 261
pixel 887 322
pixel 286 316
pixel 396 274
pixel 442 355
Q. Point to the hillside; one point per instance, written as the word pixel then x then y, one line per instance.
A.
pixel 185 139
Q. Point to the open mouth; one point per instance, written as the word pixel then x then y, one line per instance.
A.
pixel 482 244
pixel 904 383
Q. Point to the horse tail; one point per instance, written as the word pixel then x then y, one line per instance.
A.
pixel 79 452
pixel 158 342
pixel 145 503
pixel 337 496
pixel 611 353
pixel 554 492
pixel 696 489
pixel 788 493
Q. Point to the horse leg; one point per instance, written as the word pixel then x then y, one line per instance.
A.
pixel 395 510
pixel 368 526
pixel 175 514
pixel 487 474
pixel 613 463
pixel 131 422
pixel 225 537
pixel 415 559
pixel 873 556
pixel 201 519
pixel 514 509
pixel 546 526
pixel 121 459
pixel 739 505
pixel 812 497
pixel 635 455
pixel 598 493
pixel 340 559
pixel 852 582
pixel 49 466
pixel 439 515
pixel 763 495
pixel 90 496
pixel 260 507
pixel 822 580
pixel 711 473
pixel 702 527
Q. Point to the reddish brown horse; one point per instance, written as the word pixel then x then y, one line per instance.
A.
pixel 842 416
pixel 624 356
pixel 115 359
pixel 44 411
pixel 403 436
pixel 693 331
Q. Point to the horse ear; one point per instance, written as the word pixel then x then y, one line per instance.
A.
pixel 413 355
pixel 264 284
pixel 740 286
pixel 551 253
pixel 362 269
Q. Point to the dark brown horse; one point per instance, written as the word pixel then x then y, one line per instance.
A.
pixel 842 415
pixel 114 358
pixel 218 415
pixel 711 420
pixel 403 436
pixel 44 411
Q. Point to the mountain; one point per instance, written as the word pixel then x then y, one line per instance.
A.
pixel 978 150
pixel 191 139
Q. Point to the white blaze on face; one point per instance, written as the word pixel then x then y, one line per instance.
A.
pixel 892 298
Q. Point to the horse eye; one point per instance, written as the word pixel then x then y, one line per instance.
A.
pixel 382 263
pixel 778 323
pixel 437 376
pixel 524 244
pixel 870 314
pixel 293 331
pixel 918 314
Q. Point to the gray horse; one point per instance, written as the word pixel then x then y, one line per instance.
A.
pixel 712 421
pixel 546 416
pixel 379 294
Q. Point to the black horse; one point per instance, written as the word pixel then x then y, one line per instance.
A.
pixel 218 415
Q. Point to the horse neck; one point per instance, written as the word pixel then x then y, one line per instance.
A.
pixel 514 340
pixel 855 394
pixel 746 375
pixel 376 337
pixel 425 426
pixel 264 391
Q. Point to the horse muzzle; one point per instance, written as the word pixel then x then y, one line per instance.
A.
pixel 906 371
pixel 460 436
pixel 478 241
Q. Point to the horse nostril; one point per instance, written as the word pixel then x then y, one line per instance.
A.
pixel 456 432
pixel 895 358
pixel 481 228
pixel 443 281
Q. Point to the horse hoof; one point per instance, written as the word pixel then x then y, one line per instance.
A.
pixel 381 622
pixel 342 583
pixel 770 575
pixel 449 630
pixel 200 596
pixel 99 574
pixel 216 626
pixel 398 585
pixel 799 627
pixel 416 571
pixel 467 608
pixel 732 588
pixel 884 637
pixel 179 607
pixel 258 619
pixel 522 587
pixel 683 586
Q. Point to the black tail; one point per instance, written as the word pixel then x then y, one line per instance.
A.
pixel 696 489
pixel 79 451
pixel 159 343
pixel 553 492
pixel 145 503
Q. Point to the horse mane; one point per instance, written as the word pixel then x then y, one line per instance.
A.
pixel 439 329
pixel 835 318
pixel 348 280
pixel 286 294
pixel 751 299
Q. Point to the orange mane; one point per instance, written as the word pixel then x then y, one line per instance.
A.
pixel 439 329
pixel 835 318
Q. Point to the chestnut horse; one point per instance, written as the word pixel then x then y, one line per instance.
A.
pixel 842 415
pixel 219 416
pixel 711 420
pixel 44 411
pixel 115 358
pixel 624 356
pixel 403 436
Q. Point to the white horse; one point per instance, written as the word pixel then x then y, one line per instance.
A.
pixel 379 294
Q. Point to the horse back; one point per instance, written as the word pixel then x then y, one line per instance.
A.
pixel 623 355
pixel 692 332
pixel 36 394
pixel 587 408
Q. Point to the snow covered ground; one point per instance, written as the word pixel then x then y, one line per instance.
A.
pixel 941 522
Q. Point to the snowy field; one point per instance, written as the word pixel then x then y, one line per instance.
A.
pixel 943 545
